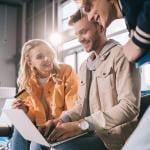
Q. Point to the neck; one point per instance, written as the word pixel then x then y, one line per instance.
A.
pixel 103 43
pixel 118 10
pixel 42 76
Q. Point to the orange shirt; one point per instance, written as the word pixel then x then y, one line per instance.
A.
pixel 59 94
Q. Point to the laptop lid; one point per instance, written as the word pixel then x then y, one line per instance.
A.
pixel 28 130
pixel 25 127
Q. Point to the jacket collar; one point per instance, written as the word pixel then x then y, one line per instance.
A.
pixel 92 64
pixel 120 5
pixel 53 76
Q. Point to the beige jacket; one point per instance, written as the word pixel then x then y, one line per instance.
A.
pixel 114 98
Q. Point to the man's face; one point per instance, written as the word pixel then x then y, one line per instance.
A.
pixel 87 34
pixel 98 10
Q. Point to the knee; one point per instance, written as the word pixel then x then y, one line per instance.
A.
pixel 17 142
pixel 35 146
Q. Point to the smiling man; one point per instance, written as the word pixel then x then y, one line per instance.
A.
pixel 137 16
pixel 108 95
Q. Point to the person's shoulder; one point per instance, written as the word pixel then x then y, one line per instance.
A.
pixel 116 54
pixel 65 69
pixel 117 50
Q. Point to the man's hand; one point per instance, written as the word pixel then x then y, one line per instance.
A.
pixel 19 104
pixel 48 127
pixel 64 130
pixel 131 51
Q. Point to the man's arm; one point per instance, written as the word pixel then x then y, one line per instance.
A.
pixel 141 36
pixel 74 113
pixel 138 47
pixel 71 87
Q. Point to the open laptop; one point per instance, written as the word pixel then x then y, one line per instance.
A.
pixel 28 130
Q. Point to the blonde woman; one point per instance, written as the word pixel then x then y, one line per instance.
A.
pixel 52 87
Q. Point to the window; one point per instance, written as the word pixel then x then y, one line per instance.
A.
pixel 116 26
pixel 65 10
pixel 71 44
pixel 117 31
pixel 81 56
pixel 145 77
pixel 71 60
pixel 121 38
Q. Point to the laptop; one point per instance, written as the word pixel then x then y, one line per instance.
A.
pixel 28 130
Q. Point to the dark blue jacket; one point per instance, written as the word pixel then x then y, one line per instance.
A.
pixel 137 16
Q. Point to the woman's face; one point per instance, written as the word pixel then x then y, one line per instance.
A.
pixel 99 10
pixel 40 61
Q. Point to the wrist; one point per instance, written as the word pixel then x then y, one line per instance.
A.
pixel 56 121
pixel 26 109
pixel 83 125
pixel 60 121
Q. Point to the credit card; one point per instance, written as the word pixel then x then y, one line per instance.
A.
pixel 22 95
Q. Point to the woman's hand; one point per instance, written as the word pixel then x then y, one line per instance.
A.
pixel 64 130
pixel 19 104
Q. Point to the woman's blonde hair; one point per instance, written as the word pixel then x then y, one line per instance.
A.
pixel 25 71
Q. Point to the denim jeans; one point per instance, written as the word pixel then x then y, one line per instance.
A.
pixel 19 143
pixel 35 146
pixel 86 142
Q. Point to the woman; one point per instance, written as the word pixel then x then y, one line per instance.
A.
pixel 52 87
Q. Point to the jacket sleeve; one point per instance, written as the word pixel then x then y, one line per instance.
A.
pixel 71 87
pixel 141 36
pixel 75 112
pixel 31 111
pixel 128 98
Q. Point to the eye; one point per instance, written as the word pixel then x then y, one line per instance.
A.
pixel 39 56
pixel 84 31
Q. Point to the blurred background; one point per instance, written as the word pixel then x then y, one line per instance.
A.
pixel 21 20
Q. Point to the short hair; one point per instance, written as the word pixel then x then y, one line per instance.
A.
pixel 81 2
pixel 78 15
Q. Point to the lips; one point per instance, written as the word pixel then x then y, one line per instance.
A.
pixel 46 65
pixel 86 45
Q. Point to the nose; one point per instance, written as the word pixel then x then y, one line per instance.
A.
pixel 46 58
pixel 90 16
